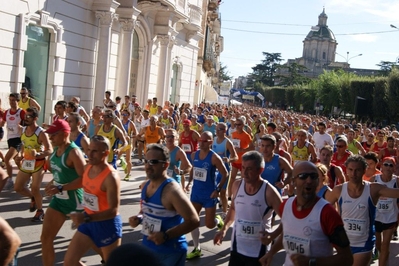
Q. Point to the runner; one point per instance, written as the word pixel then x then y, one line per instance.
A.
pixel 34 150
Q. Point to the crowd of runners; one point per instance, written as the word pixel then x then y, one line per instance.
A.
pixel 236 163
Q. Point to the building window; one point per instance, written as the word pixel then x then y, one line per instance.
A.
pixel 324 55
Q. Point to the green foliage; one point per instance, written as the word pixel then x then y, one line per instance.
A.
pixel 224 73
pixel 290 75
pixel 393 94
pixel 266 71
pixel 380 99
pixel 386 67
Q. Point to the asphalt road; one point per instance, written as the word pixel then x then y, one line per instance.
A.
pixel 14 209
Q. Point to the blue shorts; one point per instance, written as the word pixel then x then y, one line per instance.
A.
pixel 175 259
pixel 103 233
pixel 205 201
pixel 368 247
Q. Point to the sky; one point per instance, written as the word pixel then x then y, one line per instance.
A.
pixel 251 27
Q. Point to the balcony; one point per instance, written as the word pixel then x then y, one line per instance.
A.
pixel 195 16
pixel 213 5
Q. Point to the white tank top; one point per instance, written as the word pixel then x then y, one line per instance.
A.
pixel 252 216
pixel 304 236
pixel 13 122
pixel 357 215
pixel 387 209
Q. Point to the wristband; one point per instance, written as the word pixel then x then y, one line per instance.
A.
pixel 140 217
pixel 87 218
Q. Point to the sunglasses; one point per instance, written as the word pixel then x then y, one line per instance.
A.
pixel 170 136
pixel 312 176
pixel 237 125
pixel 220 129
pixel 371 136
pixel 29 116
pixel 107 116
pixel 23 93
pixel 340 146
pixel 125 115
pixel 388 164
pixel 204 140
pixel 153 162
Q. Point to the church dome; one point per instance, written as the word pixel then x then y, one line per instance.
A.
pixel 321 32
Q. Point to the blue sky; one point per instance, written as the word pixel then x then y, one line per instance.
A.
pixel 243 49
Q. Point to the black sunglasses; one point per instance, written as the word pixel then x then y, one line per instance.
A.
pixel 312 176
pixel 388 164
pixel 153 162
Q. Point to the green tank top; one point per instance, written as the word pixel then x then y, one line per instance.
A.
pixel 62 173
pixel 352 147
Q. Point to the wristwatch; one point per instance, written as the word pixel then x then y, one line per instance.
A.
pixel 60 188
pixel 86 218
pixel 312 262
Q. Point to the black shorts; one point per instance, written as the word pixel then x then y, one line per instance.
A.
pixel 15 143
pixel 379 227
pixel 237 259
pixel 1 133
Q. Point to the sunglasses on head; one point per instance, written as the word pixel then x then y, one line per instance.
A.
pixel 312 176
pixel 153 162
pixel 388 164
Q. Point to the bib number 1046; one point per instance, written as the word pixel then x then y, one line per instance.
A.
pixel 295 247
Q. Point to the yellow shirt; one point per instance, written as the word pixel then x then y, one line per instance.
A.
pixel 24 105
pixel 110 135
pixel 300 154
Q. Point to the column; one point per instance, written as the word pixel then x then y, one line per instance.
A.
pixel 104 47
pixel 163 67
pixel 167 89
pixel 125 57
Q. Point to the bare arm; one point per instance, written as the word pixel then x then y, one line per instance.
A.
pixel 286 166
pixel 75 160
pixel 334 195
pixel 217 161
pixel 360 148
pixel 229 219
pixel 313 156
pixel 9 242
pixel 34 103
pixel 232 150
pixel 340 174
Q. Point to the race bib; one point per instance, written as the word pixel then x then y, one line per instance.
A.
pixel 90 201
pixel 169 172
pixel 248 229
pixel 61 195
pixel 28 165
pixel 355 226
pixel 236 143
pixel 150 225
pixel 385 205
pixel 199 174
pixel 296 245
pixel 186 147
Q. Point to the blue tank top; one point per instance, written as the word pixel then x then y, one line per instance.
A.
pixel 173 162
pixel 126 126
pixel 209 185
pixel 211 129
pixel 221 150
pixel 272 171
pixel 322 192
pixel 152 207
pixel 91 128
pixel 78 139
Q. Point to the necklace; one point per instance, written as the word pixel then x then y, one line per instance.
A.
pixel 307 204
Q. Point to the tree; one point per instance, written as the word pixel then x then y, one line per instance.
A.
pixel 386 67
pixel 290 74
pixel 224 73
pixel 265 72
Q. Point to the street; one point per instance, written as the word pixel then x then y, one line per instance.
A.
pixel 14 209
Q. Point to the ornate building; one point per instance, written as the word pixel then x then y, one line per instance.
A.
pixel 151 48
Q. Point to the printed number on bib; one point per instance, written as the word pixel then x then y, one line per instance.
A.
pixel 90 201
pixel 248 229
pixel 200 174
pixel 28 165
pixel 186 147
pixel 150 225
pixel 355 226
pixel 385 205
pixel 62 195
pixel 296 245
pixel 236 143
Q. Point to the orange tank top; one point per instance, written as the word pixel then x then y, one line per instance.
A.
pixel 152 136
pixel 94 199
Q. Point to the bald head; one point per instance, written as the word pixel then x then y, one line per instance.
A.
pixel 304 167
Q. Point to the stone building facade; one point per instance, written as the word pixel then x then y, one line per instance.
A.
pixel 65 48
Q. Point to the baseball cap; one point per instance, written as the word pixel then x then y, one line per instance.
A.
pixel 186 122
pixel 209 117
pixel 59 125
